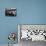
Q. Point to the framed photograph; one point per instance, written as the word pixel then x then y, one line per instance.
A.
pixel 10 12
pixel 32 32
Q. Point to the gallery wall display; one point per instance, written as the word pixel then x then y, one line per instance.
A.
pixel 10 11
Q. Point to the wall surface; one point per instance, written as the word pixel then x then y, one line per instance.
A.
pixel 28 12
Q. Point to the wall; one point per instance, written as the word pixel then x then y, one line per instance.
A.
pixel 28 12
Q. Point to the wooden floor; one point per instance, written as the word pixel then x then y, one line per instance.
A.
pixel 30 43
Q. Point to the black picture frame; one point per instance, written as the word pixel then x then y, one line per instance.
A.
pixel 10 12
